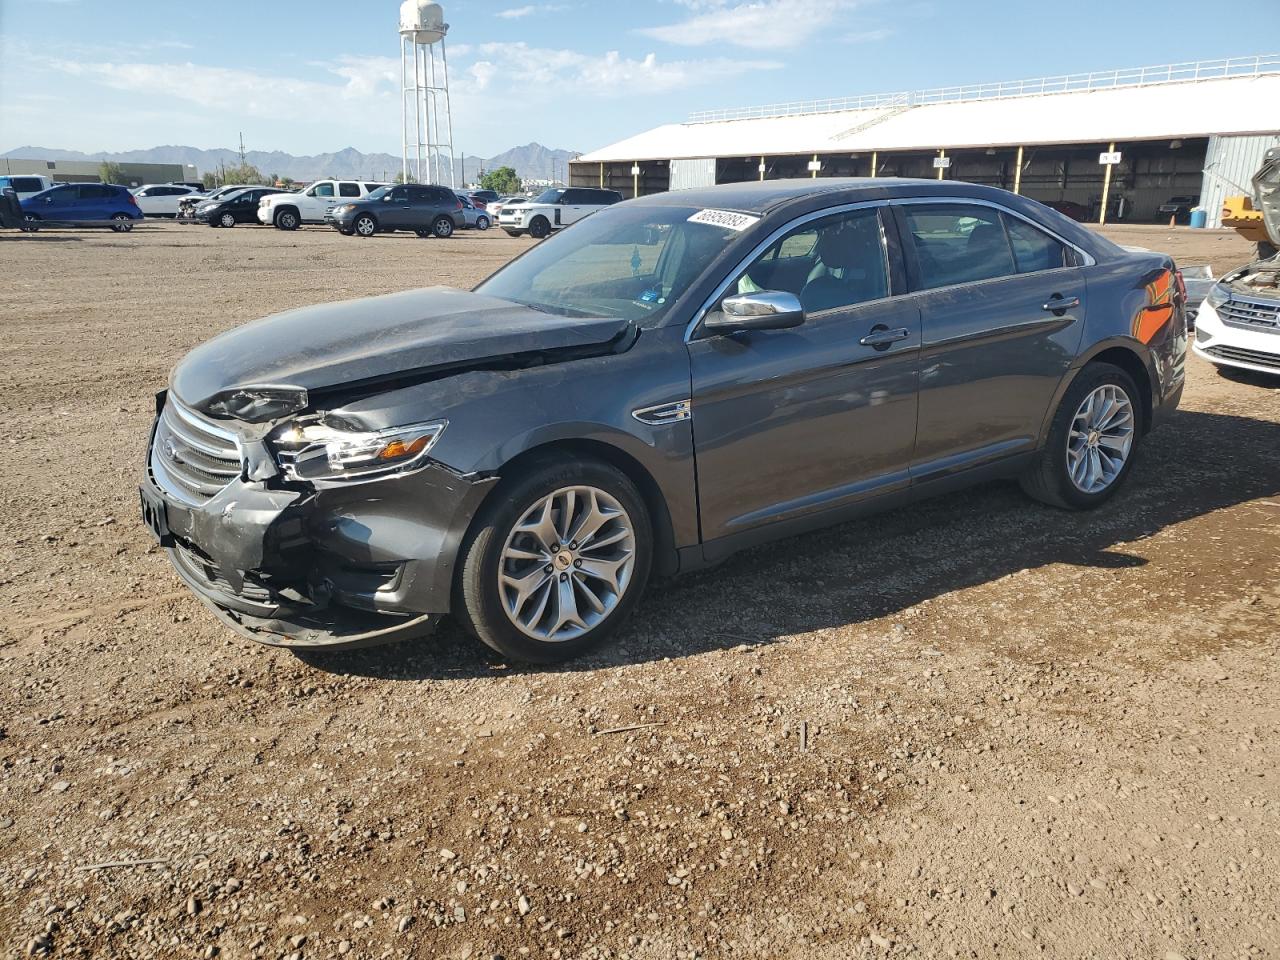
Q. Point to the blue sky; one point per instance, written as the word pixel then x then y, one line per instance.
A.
pixel 316 77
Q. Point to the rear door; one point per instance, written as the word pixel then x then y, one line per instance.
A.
pixel 245 207
pixel 789 423
pixel 1002 304
pixel 95 201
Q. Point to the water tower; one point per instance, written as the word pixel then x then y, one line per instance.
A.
pixel 426 122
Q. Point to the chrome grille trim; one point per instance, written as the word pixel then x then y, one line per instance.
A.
pixel 1251 314
pixel 192 458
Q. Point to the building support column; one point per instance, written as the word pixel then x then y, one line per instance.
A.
pixel 762 167
pixel 875 156
pixel 1106 189
pixel 1017 174
pixel 942 154
pixel 635 180
pixel 814 171
pixel 601 176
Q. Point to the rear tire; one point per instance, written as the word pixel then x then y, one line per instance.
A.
pixel 287 219
pixel 540 228
pixel 482 223
pixel 1049 479
pixel 483 598
pixel 122 223
pixel 442 228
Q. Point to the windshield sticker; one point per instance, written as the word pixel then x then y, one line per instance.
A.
pixel 724 218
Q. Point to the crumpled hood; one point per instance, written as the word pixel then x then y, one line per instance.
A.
pixel 347 343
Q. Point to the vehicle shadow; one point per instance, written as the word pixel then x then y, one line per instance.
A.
pixel 38 237
pixel 871 568
pixel 1253 378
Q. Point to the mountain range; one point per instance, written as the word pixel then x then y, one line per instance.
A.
pixel 531 161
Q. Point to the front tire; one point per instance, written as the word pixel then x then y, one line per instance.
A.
pixel 227 220
pixel 122 223
pixel 556 561
pixel 287 219
pixel 540 228
pixel 365 225
pixel 30 223
pixel 1092 441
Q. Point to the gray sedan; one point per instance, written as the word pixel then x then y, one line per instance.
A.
pixel 675 378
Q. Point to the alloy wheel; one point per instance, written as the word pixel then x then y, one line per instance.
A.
pixel 443 227
pixel 566 564
pixel 1100 438
pixel 365 226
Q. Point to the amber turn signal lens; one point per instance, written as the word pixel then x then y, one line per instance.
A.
pixel 398 448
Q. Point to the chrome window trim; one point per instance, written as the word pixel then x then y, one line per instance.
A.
pixel 772 238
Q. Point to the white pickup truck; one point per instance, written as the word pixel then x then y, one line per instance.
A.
pixel 553 209
pixel 288 211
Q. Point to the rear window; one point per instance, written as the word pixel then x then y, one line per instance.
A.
pixel 26 184
pixel 958 243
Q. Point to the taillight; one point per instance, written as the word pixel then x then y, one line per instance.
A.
pixel 1182 286
pixel 133 199
pixel 459 207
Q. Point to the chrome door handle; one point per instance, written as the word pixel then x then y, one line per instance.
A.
pixel 1058 304
pixel 881 337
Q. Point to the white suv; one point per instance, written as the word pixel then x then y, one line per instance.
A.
pixel 290 210
pixel 553 209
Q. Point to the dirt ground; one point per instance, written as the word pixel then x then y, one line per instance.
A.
pixel 978 727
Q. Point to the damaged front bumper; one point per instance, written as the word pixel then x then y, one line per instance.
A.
pixel 318 566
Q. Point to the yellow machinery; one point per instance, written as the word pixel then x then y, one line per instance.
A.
pixel 1238 214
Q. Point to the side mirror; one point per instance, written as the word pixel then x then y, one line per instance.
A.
pixel 762 310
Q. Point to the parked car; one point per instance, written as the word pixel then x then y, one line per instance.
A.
pixel 238 206
pixel 482 198
pixel 678 377
pixel 24 185
pixel 161 199
pixel 289 211
pixel 197 187
pixel 553 210
pixel 475 214
pixel 1177 207
pixel 494 207
pixel 95 204
pixel 1238 324
pixel 1076 211
pixel 427 210
pixel 187 205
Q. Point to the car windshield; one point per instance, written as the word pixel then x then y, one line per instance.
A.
pixel 378 194
pixel 629 261
pixel 549 196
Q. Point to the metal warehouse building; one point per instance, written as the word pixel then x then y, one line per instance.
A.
pixel 88 171
pixel 1181 130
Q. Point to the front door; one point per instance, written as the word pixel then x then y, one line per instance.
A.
pixel 1003 307
pixel 788 423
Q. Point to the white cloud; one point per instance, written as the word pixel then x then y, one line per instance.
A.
pixel 515 13
pixel 551 72
pixel 757 25
pixel 868 36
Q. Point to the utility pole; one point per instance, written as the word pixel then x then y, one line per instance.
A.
pixel 242 149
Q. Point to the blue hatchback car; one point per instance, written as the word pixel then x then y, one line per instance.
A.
pixel 96 204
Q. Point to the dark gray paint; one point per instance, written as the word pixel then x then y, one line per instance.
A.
pixel 792 429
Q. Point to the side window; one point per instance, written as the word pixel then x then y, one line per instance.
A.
pixel 1033 249
pixel 94 191
pixel 348 189
pixel 958 243
pixel 323 190
pixel 402 195
pixel 370 187
pixel 829 263
pixel 574 196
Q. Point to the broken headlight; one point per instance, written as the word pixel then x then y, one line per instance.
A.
pixel 257 404
pixel 317 451
pixel 1218 295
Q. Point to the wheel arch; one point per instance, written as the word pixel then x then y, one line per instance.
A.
pixel 665 558
pixel 1130 356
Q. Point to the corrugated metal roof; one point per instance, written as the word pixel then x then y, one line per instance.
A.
pixel 1237 105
